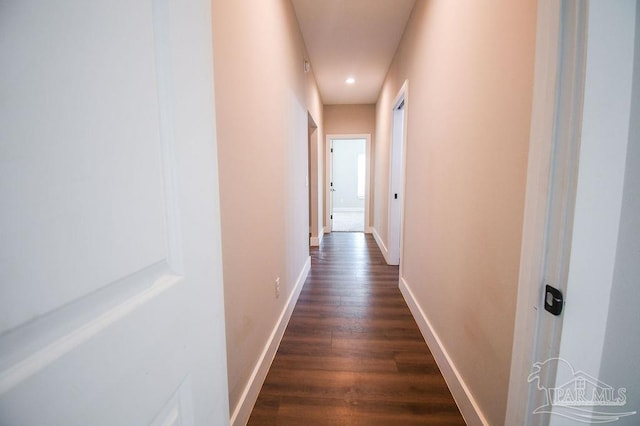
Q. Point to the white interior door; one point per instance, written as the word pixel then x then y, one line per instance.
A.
pixel 396 184
pixel 111 305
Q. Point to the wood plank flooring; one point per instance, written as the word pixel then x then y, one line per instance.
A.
pixel 352 353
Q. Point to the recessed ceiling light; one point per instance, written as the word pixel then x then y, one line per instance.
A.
pixel 350 80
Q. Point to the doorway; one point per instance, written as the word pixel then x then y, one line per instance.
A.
pixel 314 183
pixel 576 230
pixel 348 183
pixel 396 177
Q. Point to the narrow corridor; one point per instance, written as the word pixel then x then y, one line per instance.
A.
pixel 352 353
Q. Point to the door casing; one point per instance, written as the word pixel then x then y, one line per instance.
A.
pixel 397 156
pixel 562 110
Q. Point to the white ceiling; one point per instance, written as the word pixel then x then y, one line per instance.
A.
pixel 351 38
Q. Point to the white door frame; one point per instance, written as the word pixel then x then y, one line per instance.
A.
pixel 329 172
pixel 397 177
pixel 312 182
pixel 554 147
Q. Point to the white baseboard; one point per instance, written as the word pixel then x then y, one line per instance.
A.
pixel 242 411
pixel 380 243
pixel 461 393
pixel 327 229
pixel 368 230
pixel 316 241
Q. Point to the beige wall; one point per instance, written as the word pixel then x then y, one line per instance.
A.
pixel 262 98
pixel 351 119
pixel 344 119
pixel 470 73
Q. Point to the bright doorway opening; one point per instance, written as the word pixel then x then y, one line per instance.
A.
pixel 348 184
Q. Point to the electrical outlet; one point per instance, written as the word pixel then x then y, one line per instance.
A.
pixel 277 287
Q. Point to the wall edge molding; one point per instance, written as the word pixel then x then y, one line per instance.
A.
pixel 461 393
pixel 381 246
pixel 243 409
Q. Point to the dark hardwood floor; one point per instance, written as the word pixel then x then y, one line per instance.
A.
pixel 352 353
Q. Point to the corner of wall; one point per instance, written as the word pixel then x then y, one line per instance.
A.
pixel 242 411
pixel 381 245
pixel 467 404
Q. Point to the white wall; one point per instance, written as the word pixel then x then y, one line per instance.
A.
pixel 602 293
pixel 605 135
pixel 620 366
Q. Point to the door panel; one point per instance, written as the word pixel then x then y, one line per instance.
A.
pixel 80 158
pixel 111 305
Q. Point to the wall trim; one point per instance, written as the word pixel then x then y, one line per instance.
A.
pixel 552 170
pixel 461 393
pixel 381 246
pixel 368 230
pixel 242 411
pixel 316 241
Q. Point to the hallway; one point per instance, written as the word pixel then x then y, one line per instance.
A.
pixel 352 353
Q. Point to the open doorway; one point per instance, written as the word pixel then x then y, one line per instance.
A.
pixel 396 177
pixel 348 183
pixel 314 183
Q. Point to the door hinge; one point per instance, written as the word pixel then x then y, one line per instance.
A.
pixel 332 150
pixel 331 216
